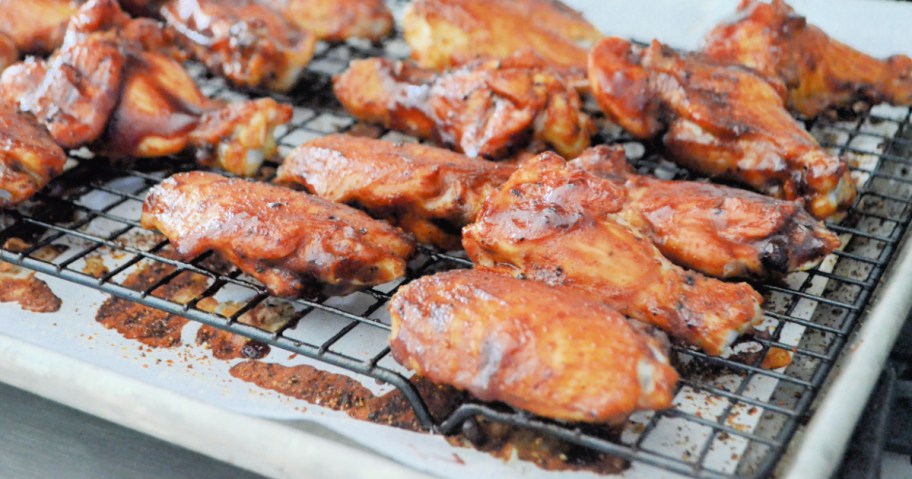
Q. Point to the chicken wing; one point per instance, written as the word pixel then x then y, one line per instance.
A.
pixel 244 41
pixel 8 52
pixel 448 33
pixel 36 26
pixel 717 230
pixel 722 120
pixel 819 72
pixel 487 108
pixel 553 351
pixel 292 242
pixel 338 20
pixel 29 157
pixel 115 86
pixel 161 112
pixel 559 224
pixel 429 192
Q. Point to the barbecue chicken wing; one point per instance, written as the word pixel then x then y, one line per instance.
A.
pixel 553 351
pixel 717 230
pixel 292 242
pixel 819 72
pixel 448 33
pixel 338 20
pixel 114 85
pixel 245 41
pixel 8 52
pixel 429 192
pixel 487 108
pixel 721 120
pixel 29 157
pixel 559 224
pixel 36 26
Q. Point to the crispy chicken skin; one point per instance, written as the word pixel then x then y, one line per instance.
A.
pixel 338 20
pixel 553 351
pixel 36 26
pixel 448 33
pixel 819 72
pixel 245 41
pixel 487 108
pixel 427 191
pixel 557 223
pixel 722 120
pixel 114 85
pixel 292 242
pixel 717 230
pixel 29 158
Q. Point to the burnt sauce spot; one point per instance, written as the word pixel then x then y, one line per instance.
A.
pixel 225 345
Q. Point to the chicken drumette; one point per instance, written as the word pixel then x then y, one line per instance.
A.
pixel 292 242
pixel 245 41
pixel 559 224
pixel 554 351
pixel 717 230
pixel 819 72
pixel 29 157
pixel 427 191
pixel 448 33
pixel 720 119
pixel 34 27
pixel 114 86
pixel 487 108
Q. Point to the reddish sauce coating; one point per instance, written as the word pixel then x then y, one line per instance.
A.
pixel 338 20
pixel 717 230
pixel 720 119
pixel 556 223
pixel 290 241
pixel 819 72
pixel 550 350
pixel 29 157
pixel 486 108
pixel 427 191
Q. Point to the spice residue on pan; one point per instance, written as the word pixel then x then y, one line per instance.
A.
pixel 225 345
pixel 18 285
pixel 342 393
pixel 506 442
pixel 150 326
pixel 339 392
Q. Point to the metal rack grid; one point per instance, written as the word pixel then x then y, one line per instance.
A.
pixel 818 309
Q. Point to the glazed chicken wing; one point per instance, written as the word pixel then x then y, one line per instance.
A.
pixel 819 72
pixel 559 224
pixel 717 230
pixel 338 20
pixel 29 157
pixel 553 351
pixel 245 41
pixel 427 191
pixel 292 242
pixel 8 52
pixel 448 33
pixel 36 26
pixel 722 120
pixel 115 86
pixel 487 108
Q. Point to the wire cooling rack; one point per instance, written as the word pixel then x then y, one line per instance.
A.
pixel 733 416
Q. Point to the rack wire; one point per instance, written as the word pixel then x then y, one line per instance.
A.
pixel 751 413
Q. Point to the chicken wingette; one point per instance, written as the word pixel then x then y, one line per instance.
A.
pixel 557 223
pixel 486 108
pixel 819 72
pixel 247 42
pixel 36 27
pixel 292 242
pixel 338 20
pixel 722 120
pixel 553 351
pixel 29 158
pixel 448 33
pixel 717 230
pixel 114 86
pixel 427 191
